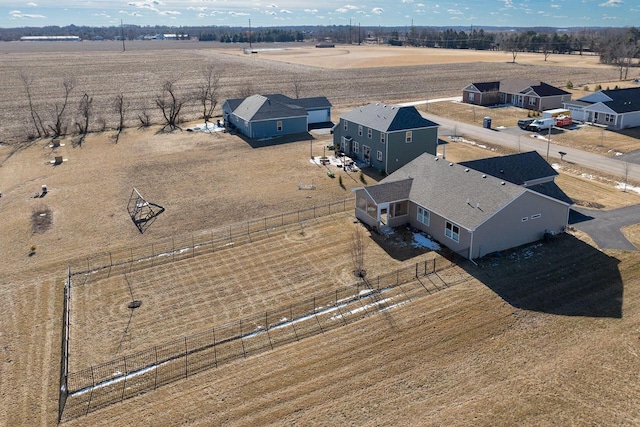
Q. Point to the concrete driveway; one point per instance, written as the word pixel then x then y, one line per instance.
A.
pixel 604 226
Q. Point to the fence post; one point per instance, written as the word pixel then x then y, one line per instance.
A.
pixel 153 255
pixel 212 248
pixel 215 354
pixel 266 326
pixel 155 381
pixel 186 361
pixel 193 246
pixel 434 265
pixel 314 211
pixel 416 269
pixel 124 383
pixel 110 260
pixel 244 353
pixel 93 384
pixel 336 297
pixel 173 249
pixel 88 269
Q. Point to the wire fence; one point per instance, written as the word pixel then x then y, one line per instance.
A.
pixel 178 248
pixel 101 385
pixel 64 358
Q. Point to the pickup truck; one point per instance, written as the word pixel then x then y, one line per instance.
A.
pixel 563 121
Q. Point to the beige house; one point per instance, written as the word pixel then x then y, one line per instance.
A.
pixel 468 210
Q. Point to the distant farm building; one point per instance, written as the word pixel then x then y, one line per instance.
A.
pixel 325 44
pixel 50 39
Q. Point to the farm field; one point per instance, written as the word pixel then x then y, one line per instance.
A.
pixel 545 334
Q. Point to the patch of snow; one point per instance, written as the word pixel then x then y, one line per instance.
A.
pixel 622 186
pixel 556 166
pixel 206 127
pixel 587 175
pixel 421 241
pixel 466 141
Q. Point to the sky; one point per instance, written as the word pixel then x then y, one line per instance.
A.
pixel 516 13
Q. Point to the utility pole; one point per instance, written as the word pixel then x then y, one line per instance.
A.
pixel 249 33
pixel 122 35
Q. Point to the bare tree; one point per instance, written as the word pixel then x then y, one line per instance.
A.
pixel 144 117
pixel 357 250
pixel 170 102
pixel 59 126
pixel 85 110
pixel 208 90
pixel 626 176
pixel 120 107
pixel 41 130
pixel 246 90
pixel 296 82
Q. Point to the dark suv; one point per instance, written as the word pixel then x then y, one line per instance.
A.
pixel 524 123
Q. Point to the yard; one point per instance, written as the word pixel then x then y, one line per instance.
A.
pixel 453 357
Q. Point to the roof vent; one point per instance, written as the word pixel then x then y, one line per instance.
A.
pixel 450 164
pixel 501 170
pixel 436 159
pixel 466 170
pixel 502 183
pixel 484 176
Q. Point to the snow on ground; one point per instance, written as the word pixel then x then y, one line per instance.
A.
pixel 627 187
pixel 466 141
pixel 556 166
pixel 429 101
pixel 206 127
pixel 421 241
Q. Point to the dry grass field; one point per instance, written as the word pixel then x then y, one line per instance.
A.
pixel 546 334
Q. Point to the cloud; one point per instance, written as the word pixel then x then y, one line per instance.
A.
pixel 16 14
pixel 169 12
pixel 285 11
pixel 101 14
pixel 454 12
pixel 238 14
pixel 200 8
pixel 134 13
pixel 311 10
pixel 612 3
pixel 377 10
pixel 32 4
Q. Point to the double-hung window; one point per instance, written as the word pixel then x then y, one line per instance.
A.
pixel 359 130
pixel 356 147
pixel 383 137
pixel 344 124
pixel 379 155
pixel 408 136
pixel 369 133
pixel 452 231
pixel 423 215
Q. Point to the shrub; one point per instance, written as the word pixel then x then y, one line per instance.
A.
pixel 586 89
pixel 598 87
pixel 362 178
pixel 569 85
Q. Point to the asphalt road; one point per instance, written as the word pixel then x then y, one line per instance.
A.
pixel 604 226
pixel 509 139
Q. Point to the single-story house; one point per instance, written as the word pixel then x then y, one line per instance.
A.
pixel 474 208
pixel 617 108
pixel 524 93
pixel 385 136
pixel 264 116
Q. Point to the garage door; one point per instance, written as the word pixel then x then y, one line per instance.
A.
pixel 318 116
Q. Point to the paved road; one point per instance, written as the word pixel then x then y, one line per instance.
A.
pixel 604 226
pixel 507 139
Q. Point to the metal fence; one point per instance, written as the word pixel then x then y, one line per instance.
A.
pixel 64 357
pixel 111 382
pixel 177 248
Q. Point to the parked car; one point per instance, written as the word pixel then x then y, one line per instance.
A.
pixel 539 125
pixel 564 121
pixel 523 123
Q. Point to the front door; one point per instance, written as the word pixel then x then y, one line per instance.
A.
pixel 366 152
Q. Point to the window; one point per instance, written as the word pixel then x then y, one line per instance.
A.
pixel 452 231
pixel 609 118
pixel 370 133
pixel 279 124
pixel 359 130
pixel 356 147
pixel 379 155
pixel 536 216
pixel 524 219
pixel 472 96
pixel 408 136
pixel 532 101
pixel 344 124
pixel 383 137
pixel 423 215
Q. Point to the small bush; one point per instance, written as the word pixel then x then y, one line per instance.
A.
pixel 569 85
pixel 586 89
pixel 598 87
pixel 362 178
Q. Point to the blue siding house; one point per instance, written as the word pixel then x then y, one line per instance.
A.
pixel 267 116
pixel 386 137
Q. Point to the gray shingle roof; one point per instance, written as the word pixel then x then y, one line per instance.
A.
pixel 259 107
pixel 552 190
pixel 390 191
pixel 516 168
pixel 487 86
pixel 388 118
pixel 522 85
pixel 623 100
pixel 308 103
pixel 462 195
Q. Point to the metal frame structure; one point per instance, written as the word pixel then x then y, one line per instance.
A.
pixel 142 212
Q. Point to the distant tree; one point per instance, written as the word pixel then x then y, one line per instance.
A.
pixel 120 107
pixel 59 126
pixel 170 103
pixel 85 110
pixel 40 129
pixel 207 93
pixel 296 82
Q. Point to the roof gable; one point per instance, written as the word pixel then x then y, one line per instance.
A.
pixel 390 191
pixel 486 86
pixel 259 107
pixel 388 118
pixel 516 168
pixel 460 194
